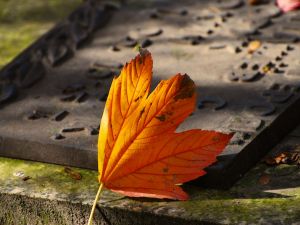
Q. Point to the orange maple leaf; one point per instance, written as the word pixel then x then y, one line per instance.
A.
pixel 139 153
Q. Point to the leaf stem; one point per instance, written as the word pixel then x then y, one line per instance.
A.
pixel 94 204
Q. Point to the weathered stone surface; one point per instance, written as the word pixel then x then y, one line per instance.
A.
pixel 265 195
pixel 207 40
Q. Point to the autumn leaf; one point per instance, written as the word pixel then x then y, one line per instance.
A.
pixel 139 152
pixel 253 46
pixel 288 5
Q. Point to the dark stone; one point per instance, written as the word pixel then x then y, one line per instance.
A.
pixel 30 73
pixel 79 33
pixel 60 116
pixel 7 93
pixel 58 53
pixel 235 160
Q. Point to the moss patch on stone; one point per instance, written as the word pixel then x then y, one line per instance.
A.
pixel 247 202
pixel 23 21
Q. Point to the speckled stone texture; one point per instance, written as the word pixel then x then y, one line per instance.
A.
pixel 38 193
pixel 63 79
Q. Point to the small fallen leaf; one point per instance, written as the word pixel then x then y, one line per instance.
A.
pixel 264 179
pixel 139 152
pixel 26 178
pixel 254 2
pixel 288 5
pixel 276 160
pixel 73 174
pixel 253 46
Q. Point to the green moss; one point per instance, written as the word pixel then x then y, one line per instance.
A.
pixel 23 21
pixel 46 180
pixel 248 201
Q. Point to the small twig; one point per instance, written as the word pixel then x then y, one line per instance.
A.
pixel 94 204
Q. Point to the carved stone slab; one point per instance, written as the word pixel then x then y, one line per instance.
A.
pixel 53 94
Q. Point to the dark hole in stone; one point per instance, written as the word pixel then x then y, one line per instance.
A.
pixel 244 65
pixel 283 65
pixel 245 44
pixel 216 25
pixel 237 50
pixel 103 98
pixel 68 98
pixel 283 53
pixel 146 43
pixel 37 114
pixel 73 88
pixel 60 116
pixel 58 137
pixel 183 12
pixel 255 67
pixel 114 48
pixel 289 48
pixel 276 70
pixel 72 129
pixel 82 97
pixel 209 32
